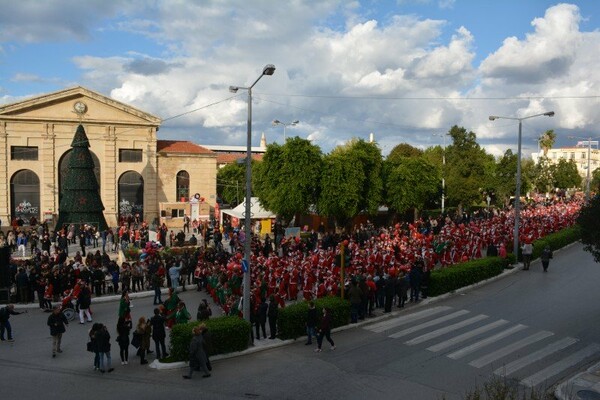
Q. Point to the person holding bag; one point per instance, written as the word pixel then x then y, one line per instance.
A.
pixel 123 328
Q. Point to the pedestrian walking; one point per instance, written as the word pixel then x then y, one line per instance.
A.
pixel 123 328
pixel 84 300
pixel 92 345
pixel 197 354
pixel 527 251
pixel 158 322
pixel 325 330
pixel 261 323
pixel 57 323
pixel 311 322
pixel 144 331
pixel 103 343
pixel 545 257
pixel 5 313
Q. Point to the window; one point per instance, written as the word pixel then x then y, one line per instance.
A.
pixel 130 155
pixel 572 156
pixel 183 186
pixel 583 155
pixel 23 152
pixel 177 213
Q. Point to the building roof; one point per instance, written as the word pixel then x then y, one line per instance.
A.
pixel 180 146
pixel 230 158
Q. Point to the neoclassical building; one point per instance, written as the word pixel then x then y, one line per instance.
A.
pixel 138 174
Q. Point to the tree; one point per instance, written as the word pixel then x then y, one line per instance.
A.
pixel 81 202
pixel 287 180
pixel 565 174
pixel 411 183
pixel 504 181
pixel 595 183
pixel 546 141
pixel 231 182
pixel 403 150
pixel 352 181
pixel 589 220
pixel 465 168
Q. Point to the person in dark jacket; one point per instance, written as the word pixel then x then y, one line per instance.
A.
pixel 355 297
pixel 103 343
pixel 84 300
pixel 159 334
pixel 325 330
pixel 124 327
pixel 311 322
pixel 57 323
pixel 261 322
pixel 545 257
pixel 390 292
pixel 415 275
pixel 273 312
pixel 197 354
pixel 92 345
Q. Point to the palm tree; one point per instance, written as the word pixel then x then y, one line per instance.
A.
pixel 547 140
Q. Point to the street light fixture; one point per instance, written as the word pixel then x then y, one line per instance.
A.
pixel 269 69
pixel 589 156
pixel 518 188
pixel 285 125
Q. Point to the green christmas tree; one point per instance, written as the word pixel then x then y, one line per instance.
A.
pixel 81 202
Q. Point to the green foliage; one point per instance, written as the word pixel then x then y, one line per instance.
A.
pixel 291 320
pixel 595 183
pixel 228 334
pixel 403 150
pixel 565 174
pixel 502 388
pixel 351 181
pixel 231 182
pixel 546 141
pixel 589 221
pixel 504 183
pixel 465 168
pixel 287 180
pixel 410 183
pixel 132 253
pixel 454 277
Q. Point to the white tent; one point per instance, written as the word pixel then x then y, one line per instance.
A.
pixel 257 210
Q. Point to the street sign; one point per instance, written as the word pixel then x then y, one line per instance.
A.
pixel 244 266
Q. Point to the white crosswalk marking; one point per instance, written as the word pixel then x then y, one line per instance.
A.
pixel 446 329
pixel 428 324
pixel 466 336
pixel 533 357
pixel 561 365
pixel 392 323
pixel 511 348
pixel 484 342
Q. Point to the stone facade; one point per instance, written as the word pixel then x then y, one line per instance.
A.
pixel 122 138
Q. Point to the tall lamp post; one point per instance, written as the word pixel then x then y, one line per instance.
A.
pixel 518 189
pixel 269 69
pixel 285 125
pixel 589 156
pixel 443 170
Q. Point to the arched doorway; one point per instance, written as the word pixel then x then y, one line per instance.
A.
pixel 131 196
pixel 63 164
pixel 25 196
pixel 183 186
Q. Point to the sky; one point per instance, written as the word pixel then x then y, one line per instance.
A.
pixel 404 70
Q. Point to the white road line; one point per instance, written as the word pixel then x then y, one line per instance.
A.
pixel 428 324
pixel 511 348
pixel 392 323
pixel 484 342
pixel 561 365
pixel 446 329
pixel 466 336
pixel 533 357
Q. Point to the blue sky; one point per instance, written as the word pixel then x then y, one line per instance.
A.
pixel 404 70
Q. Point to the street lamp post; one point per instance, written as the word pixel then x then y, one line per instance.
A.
pixel 285 125
pixel 443 170
pixel 589 166
pixel 518 188
pixel 269 69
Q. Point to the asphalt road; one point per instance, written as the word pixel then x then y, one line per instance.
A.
pixel 536 328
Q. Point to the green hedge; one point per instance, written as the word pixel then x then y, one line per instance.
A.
pixel 460 275
pixel 292 319
pixel 228 334
pixel 556 240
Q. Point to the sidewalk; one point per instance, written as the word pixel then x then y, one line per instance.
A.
pixel 583 386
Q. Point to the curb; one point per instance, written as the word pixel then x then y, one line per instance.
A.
pixel 588 380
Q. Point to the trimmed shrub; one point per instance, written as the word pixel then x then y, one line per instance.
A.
pixel 228 334
pixel 291 320
pixel 460 275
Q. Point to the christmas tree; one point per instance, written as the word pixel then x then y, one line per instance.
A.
pixel 80 202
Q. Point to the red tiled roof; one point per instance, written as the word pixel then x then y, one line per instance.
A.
pixel 230 158
pixel 180 146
